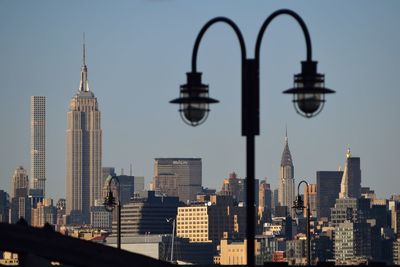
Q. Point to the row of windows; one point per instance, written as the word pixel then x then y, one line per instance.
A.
pixel 192 218
pixel 192 231
pixel 198 221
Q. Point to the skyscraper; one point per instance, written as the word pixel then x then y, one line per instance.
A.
pixel 38 142
pixel 179 177
pixel 286 181
pixel 351 181
pixel 84 151
pixel 20 205
pixel 328 188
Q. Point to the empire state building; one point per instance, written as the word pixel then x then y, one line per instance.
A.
pixel 84 151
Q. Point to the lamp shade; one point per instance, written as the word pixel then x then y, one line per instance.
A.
pixel 194 100
pixel 309 90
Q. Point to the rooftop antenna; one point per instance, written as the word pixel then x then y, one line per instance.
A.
pixel 84 50
pixel 286 138
pixel 130 170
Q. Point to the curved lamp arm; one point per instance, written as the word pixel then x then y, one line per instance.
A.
pixel 203 31
pixel 298 186
pixel 273 16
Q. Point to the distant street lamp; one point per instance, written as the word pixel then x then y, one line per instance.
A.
pixel 172 220
pixel 308 98
pixel 298 206
pixel 110 203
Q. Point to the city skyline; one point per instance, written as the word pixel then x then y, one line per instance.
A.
pixel 130 53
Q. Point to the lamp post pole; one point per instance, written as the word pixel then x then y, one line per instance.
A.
pixel 110 203
pixel 299 205
pixel 308 98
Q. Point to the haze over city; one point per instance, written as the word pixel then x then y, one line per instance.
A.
pixel 137 56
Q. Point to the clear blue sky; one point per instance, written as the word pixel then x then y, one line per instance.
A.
pixel 139 51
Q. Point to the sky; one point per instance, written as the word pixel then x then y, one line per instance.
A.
pixel 138 53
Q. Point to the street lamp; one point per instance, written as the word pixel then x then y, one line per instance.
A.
pixel 110 203
pixel 298 206
pixel 308 98
pixel 172 220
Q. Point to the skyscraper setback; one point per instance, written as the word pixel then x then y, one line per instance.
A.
pixel 84 151
pixel 351 181
pixel 38 142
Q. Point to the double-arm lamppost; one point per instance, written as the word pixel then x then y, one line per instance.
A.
pixel 308 98
pixel 110 203
pixel 298 206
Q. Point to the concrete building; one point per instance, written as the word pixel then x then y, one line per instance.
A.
pixel 233 186
pixel 286 182
pixel 61 216
pixel 147 213
pixel 84 152
pixel 159 247
pixel 180 177
pixel 310 194
pixel 296 250
pixel 345 209
pixel 396 252
pixel 350 186
pixel 328 188
pixel 233 252
pixel 264 202
pixel 44 212
pixel 20 205
pixel 211 221
pixel 38 142
pixel 394 208
pixel 100 218
pixel 352 243
pixel 35 196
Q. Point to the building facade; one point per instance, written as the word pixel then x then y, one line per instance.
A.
pixel 38 142
pixel 146 214
pixel 310 194
pixel 181 177
pixel 128 186
pixel 20 205
pixel 351 180
pixel 84 152
pixel 211 221
pixel 4 206
pixel 286 182
pixel 352 243
pixel 328 188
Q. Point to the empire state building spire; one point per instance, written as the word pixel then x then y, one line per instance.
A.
pixel 84 84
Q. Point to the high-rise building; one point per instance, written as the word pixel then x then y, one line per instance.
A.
pixel 44 212
pixel 84 152
pixel 38 142
pixel 345 209
pixel 128 185
pixel 328 188
pixel 211 221
pixel 235 187
pixel 147 213
pixel 310 193
pixel 265 202
pixel 351 180
pixel 286 181
pixel 352 243
pixel 4 206
pixel 20 205
pixel 179 177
